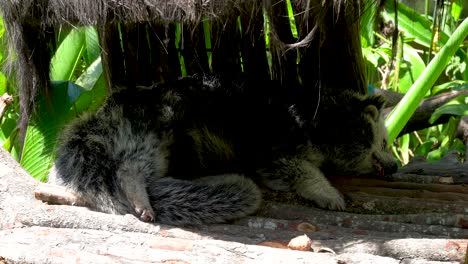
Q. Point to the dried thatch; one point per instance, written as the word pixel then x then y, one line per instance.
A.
pixel 328 31
pixel 92 12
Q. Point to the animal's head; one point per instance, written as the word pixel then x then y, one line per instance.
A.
pixel 352 132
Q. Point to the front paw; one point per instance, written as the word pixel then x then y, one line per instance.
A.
pixel 138 200
pixel 325 197
pixel 145 214
pixel 331 200
pixel 142 207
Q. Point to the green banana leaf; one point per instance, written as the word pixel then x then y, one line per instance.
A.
pixel 456 106
pixel 68 55
pixel 414 24
pixel 52 113
pixel 93 50
pixel 65 100
pixel 412 69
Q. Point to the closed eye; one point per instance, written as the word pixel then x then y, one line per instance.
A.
pixel 384 145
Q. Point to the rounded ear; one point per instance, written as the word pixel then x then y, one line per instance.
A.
pixel 372 111
pixel 377 100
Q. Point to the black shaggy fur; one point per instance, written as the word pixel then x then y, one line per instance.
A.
pixel 216 199
pixel 120 158
pixel 211 139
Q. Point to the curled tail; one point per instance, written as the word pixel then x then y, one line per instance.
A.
pixel 213 199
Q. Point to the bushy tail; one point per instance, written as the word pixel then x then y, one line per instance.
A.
pixel 213 199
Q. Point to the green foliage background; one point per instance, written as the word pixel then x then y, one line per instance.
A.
pixel 429 58
pixel 77 85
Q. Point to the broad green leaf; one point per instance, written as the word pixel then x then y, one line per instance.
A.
pixel 93 50
pixel 3 47
pixel 449 109
pixel 66 101
pixel 62 34
pixel 10 146
pixel 6 141
pixel 3 84
pixel 14 152
pixel 448 132
pixel 414 24
pixel 92 99
pixel 426 147
pixel 367 24
pixel 41 135
pixel 3 137
pixel 457 7
pixel 412 69
pixel 373 59
pixel 371 56
pixel 458 146
pixel 68 91
pixel 448 86
pixel 8 123
pixel 93 81
pixel 455 68
pixel 67 56
pixel 436 154
pixel 37 153
pixel 89 78
pixel 460 85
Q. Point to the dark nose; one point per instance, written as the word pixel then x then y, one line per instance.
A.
pixel 391 168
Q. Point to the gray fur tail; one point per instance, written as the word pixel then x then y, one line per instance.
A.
pixel 213 199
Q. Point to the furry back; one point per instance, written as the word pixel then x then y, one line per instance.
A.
pixel 193 151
